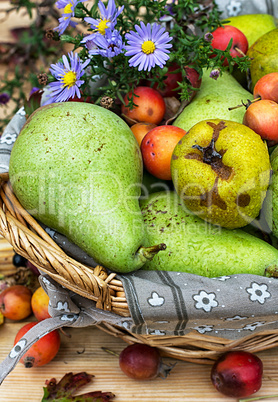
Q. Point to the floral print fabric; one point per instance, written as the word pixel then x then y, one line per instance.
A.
pixel 174 303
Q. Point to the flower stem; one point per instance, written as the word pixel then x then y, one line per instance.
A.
pixel 258 398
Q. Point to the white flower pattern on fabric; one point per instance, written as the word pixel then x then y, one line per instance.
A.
pixel 205 301
pixel 156 332
pixel 234 8
pixel 258 292
pixel 254 325
pixel 222 278
pixel 235 318
pixel 8 139
pixel 155 300
pixel 203 328
pixel 17 348
pixel 68 317
pixel 63 307
pixel 21 111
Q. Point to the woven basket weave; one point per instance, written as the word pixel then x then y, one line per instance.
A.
pixel 28 239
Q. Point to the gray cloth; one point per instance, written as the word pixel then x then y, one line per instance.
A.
pixel 175 303
pixel 232 8
pixel 8 138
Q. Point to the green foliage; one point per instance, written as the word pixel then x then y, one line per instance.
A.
pixel 187 21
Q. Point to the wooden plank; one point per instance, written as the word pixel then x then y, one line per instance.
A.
pixel 82 352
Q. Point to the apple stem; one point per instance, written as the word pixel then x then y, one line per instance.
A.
pixel 258 398
pixel 245 104
pixel 240 51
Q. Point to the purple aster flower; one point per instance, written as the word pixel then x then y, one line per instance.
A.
pixel 208 37
pixel 148 45
pixel 108 17
pixel 214 74
pixel 4 98
pixel 68 13
pixel 67 74
pixel 108 45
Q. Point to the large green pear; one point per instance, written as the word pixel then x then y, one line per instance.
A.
pixel 213 101
pixel 252 25
pixel 77 168
pixel 198 247
pixel 264 56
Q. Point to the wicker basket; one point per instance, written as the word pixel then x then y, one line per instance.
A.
pixel 28 239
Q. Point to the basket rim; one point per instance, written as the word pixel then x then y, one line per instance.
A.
pixel 31 241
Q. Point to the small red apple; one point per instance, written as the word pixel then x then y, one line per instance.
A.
pixel 237 374
pixel 42 351
pixel 194 77
pixel 157 147
pixel 15 302
pixel 267 87
pixel 262 117
pixel 222 37
pixel 173 76
pixel 39 304
pixel 149 106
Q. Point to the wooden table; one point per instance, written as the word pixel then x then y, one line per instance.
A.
pixel 81 351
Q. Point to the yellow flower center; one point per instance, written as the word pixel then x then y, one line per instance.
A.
pixel 148 47
pixel 68 9
pixel 102 26
pixel 69 79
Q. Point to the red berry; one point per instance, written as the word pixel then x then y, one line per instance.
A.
pixel 237 374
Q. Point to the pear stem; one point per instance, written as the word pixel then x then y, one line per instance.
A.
pixel 257 398
pixel 244 104
pixel 150 252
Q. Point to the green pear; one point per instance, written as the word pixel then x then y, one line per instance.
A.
pixel 198 247
pixel 252 25
pixel 77 168
pixel 264 56
pixel 221 170
pixel 213 101
pixel 270 206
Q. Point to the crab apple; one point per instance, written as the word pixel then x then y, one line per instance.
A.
pixel 222 37
pixel 141 129
pixel 39 304
pixel 42 351
pixel 143 362
pixel 173 76
pixel 157 147
pixel 267 87
pixel 170 83
pixel 262 117
pixel 149 106
pixel 15 302
pixel 237 374
pixel 194 78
